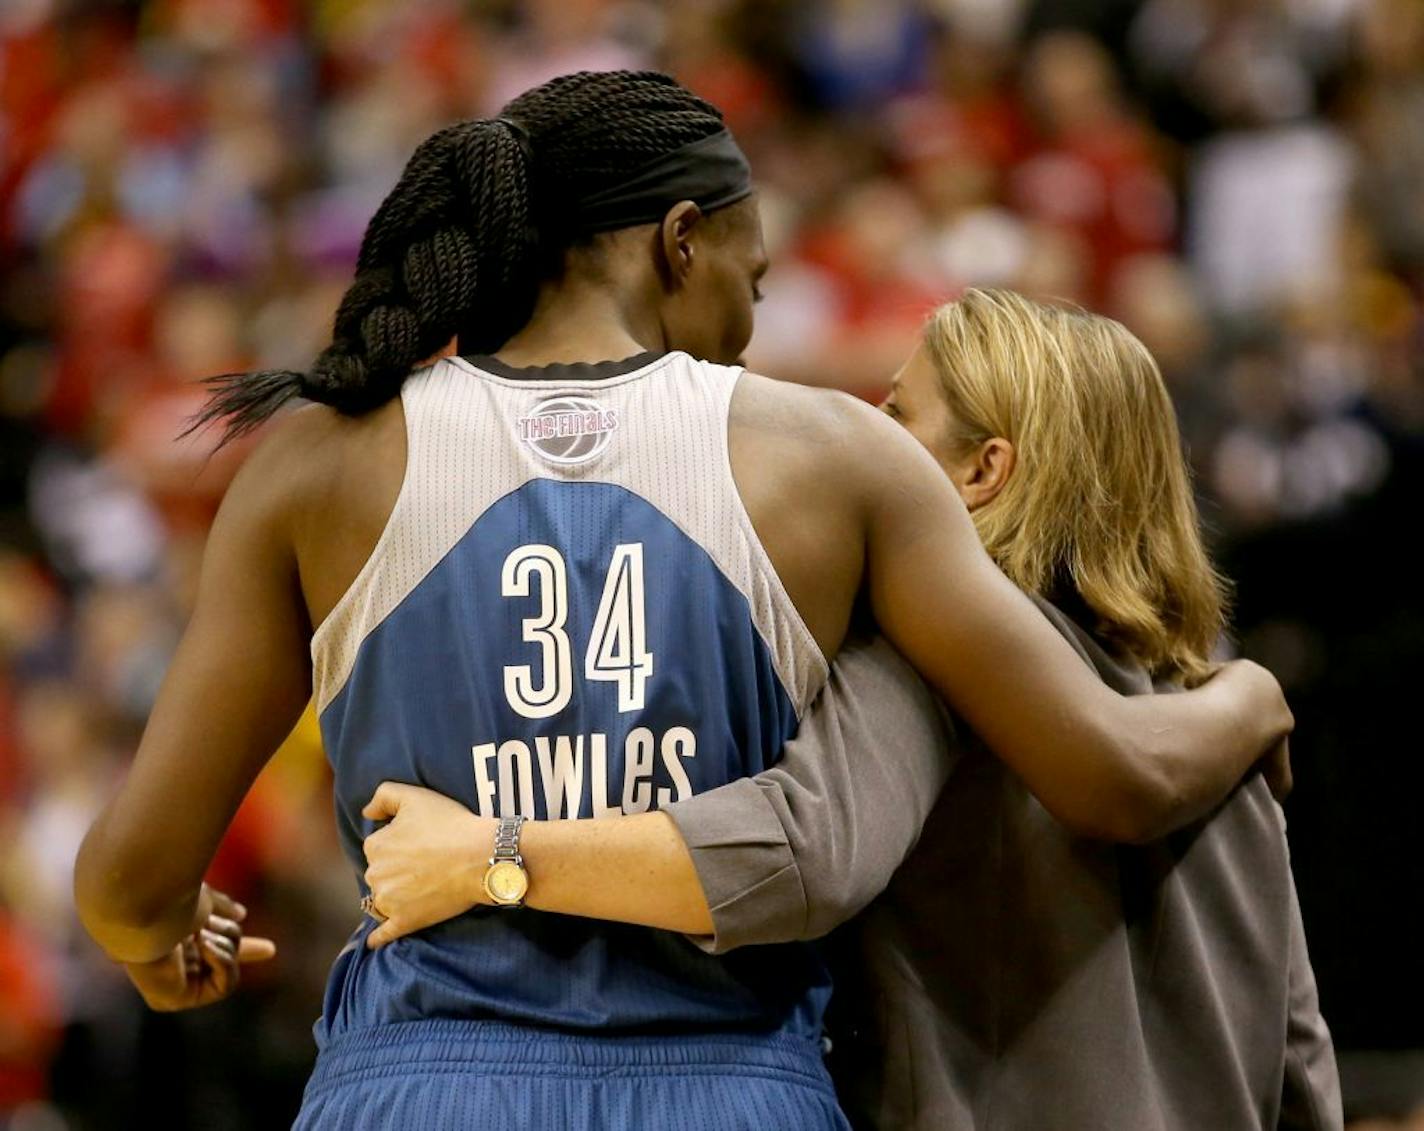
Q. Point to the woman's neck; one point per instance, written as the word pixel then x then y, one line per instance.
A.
pixel 579 321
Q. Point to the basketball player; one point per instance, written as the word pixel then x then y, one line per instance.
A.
pixel 551 585
pixel 1013 977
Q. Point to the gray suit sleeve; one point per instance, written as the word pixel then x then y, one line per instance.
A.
pixel 802 847
pixel 1310 1099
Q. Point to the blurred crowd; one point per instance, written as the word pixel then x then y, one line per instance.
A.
pixel 183 186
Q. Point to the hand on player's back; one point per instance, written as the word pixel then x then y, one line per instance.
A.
pixel 427 864
pixel 205 967
pixel 1268 705
pixel 1274 765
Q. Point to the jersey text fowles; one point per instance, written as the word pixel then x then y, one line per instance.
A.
pixel 507 774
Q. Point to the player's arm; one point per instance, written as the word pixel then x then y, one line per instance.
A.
pixel 237 683
pixel 1109 766
pixel 788 854
pixel 799 849
pixel 427 864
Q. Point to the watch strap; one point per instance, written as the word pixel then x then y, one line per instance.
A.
pixel 506 840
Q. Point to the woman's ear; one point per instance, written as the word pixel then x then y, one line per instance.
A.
pixel 986 472
pixel 675 243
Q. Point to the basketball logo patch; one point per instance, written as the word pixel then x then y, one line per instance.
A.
pixel 568 429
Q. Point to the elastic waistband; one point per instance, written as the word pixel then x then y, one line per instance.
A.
pixel 440 1046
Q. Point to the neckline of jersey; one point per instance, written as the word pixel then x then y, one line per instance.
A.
pixel 561 372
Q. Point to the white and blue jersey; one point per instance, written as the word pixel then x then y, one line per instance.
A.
pixel 567 615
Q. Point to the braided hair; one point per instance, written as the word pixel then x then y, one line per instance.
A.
pixel 462 243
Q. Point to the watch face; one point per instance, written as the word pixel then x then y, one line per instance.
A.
pixel 506 882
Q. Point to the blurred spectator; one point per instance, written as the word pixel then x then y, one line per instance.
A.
pixel 955 142
pixel 1385 113
pixel 1239 81
pixel 1269 208
pixel 554 37
pixel 1093 173
pixel 30 1022
pixel 857 53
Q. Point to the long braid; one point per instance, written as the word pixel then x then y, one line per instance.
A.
pixel 460 245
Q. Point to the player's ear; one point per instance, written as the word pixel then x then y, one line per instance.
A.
pixel 674 247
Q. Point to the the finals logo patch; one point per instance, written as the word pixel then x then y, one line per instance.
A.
pixel 568 429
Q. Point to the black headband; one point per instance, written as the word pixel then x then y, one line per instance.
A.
pixel 711 172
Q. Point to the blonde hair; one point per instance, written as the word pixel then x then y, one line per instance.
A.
pixel 1100 501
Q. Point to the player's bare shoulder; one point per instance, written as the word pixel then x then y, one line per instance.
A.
pixel 320 485
pixel 832 440
pixel 791 410
pixel 307 455
pixel 799 471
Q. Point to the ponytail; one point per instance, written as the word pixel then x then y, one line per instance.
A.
pixel 459 247
pixel 455 237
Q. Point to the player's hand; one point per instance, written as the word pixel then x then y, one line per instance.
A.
pixel 205 967
pixel 1276 769
pixel 1269 710
pixel 428 864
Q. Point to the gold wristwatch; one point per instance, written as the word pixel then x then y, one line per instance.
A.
pixel 506 881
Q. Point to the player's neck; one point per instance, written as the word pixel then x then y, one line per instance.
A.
pixel 575 321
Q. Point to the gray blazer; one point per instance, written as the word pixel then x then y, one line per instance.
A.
pixel 1012 977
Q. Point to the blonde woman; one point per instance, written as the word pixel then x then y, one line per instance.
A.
pixel 1015 975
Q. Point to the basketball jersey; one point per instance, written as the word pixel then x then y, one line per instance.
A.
pixel 567 615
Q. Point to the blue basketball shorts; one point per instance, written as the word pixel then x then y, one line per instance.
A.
pixel 441 1075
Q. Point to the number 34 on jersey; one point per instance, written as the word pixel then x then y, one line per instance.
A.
pixel 617 648
pixel 617 653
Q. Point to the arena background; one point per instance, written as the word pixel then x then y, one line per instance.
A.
pixel 183 184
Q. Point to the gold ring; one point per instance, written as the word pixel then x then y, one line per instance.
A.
pixel 368 907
